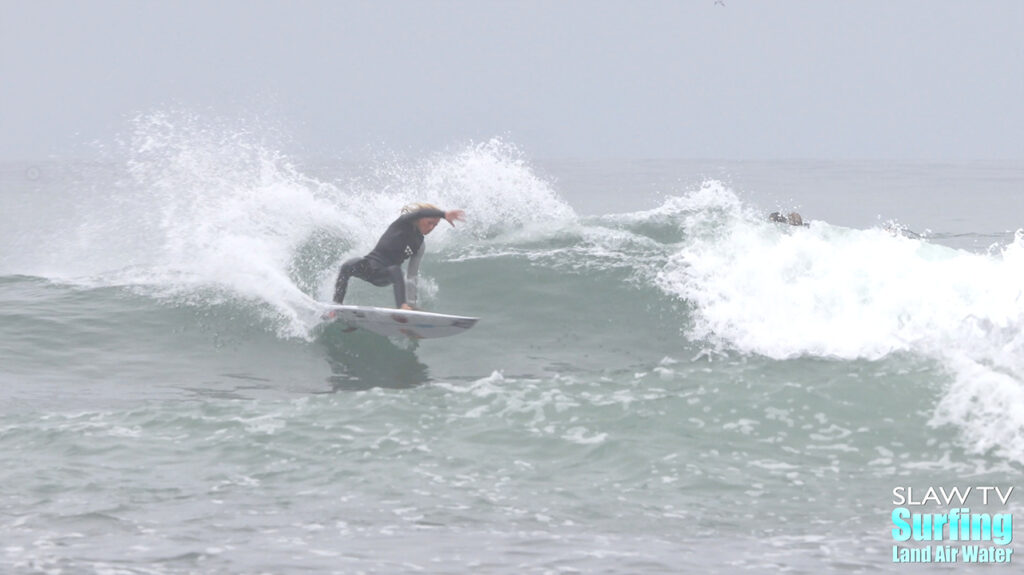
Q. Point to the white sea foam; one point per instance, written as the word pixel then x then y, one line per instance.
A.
pixel 832 292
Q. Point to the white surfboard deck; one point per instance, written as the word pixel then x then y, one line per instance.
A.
pixel 393 322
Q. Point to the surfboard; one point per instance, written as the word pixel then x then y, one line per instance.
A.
pixel 397 322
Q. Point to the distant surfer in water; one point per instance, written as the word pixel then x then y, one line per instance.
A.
pixel 792 219
pixel 402 240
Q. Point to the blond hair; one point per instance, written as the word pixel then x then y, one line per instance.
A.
pixel 417 206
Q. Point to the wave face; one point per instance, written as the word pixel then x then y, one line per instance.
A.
pixel 641 377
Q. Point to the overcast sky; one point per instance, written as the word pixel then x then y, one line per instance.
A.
pixel 933 79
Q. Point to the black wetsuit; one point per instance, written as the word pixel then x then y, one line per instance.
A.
pixel 383 265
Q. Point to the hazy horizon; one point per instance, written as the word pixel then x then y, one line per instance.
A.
pixel 916 80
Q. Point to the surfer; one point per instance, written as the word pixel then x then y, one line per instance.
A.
pixel 402 240
pixel 792 219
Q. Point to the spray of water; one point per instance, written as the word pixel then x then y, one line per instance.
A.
pixel 203 212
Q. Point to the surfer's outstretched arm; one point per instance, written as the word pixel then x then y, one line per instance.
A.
pixel 450 216
pixel 420 213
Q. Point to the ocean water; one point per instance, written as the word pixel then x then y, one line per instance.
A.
pixel 661 381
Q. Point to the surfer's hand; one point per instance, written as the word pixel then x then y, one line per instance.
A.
pixel 452 216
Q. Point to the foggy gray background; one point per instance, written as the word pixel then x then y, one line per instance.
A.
pixel 921 79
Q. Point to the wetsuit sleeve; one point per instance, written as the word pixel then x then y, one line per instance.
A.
pixel 418 214
pixel 412 275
